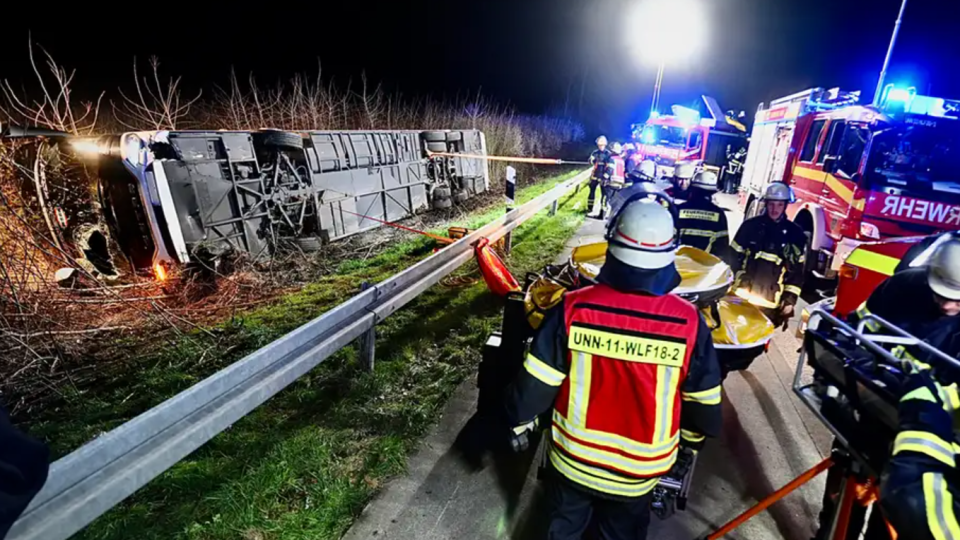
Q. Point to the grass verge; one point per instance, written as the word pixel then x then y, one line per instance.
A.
pixel 305 464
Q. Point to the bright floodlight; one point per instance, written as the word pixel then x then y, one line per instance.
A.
pixel 666 31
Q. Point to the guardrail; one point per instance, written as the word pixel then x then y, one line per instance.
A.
pixel 99 475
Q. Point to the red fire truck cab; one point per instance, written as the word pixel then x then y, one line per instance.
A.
pixel 859 173
pixel 686 136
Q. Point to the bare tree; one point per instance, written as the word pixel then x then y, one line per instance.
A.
pixel 157 104
pixel 54 107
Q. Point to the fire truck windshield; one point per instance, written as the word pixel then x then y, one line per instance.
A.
pixel 921 156
pixel 665 135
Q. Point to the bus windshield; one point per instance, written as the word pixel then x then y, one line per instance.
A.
pixel 665 135
pixel 922 156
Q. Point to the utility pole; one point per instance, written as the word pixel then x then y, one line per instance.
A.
pixel 886 61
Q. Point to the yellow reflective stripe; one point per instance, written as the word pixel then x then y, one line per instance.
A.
pixel 691 436
pixel 698 232
pixel 735 246
pixel 767 256
pixel 543 372
pixel 604 485
pixel 710 396
pixel 580 373
pixel 631 348
pixel 668 380
pixel 863 313
pixel 875 262
pixel 938 502
pixel 703 215
pixel 924 443
pixel 793 289
pixel 525 427
pixel 950 397
pixel 613 460
pixel 921 394
pixel 615 441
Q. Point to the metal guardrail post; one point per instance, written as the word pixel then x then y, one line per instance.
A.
pixel 556 204
pixel 367 343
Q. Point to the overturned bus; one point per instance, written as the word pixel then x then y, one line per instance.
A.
pixel 170 197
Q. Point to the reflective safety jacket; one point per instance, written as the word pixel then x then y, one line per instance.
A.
pixel 767 257
pixel 921 485
pixel 628 374
pixel 602 165
pixel 906 300
pixel 618 173
pixel 703 225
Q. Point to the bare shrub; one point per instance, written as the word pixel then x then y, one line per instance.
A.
pixel 156 104
pixel 52 105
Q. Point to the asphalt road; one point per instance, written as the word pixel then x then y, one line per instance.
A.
pixel 768 439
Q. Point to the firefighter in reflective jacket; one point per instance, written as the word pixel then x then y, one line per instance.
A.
pixel 702 223
pixel 631 374
pixel 602 169
pixel 612 185
pixel 767 255
pixel 921 485
pixel 924 301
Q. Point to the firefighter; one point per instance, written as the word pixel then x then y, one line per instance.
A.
pixel 24 463
pixel 631 159
pixel 602 169
pixel 924 301
pixel 767 256
pixel 682 180
pixel 631 374
pixel 612 185
pixel 921 485
pixel 702 223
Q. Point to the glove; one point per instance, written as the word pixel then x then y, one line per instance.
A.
pixel 520 436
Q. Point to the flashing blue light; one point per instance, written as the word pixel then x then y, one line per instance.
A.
pixel 654 114
pixel 649 136
pixel 898 95
pixel 686 115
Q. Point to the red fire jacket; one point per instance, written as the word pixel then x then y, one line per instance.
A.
pixel 624 371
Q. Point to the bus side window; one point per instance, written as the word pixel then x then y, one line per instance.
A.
pixel 813 137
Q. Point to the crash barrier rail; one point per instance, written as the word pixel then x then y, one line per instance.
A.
pixel 99 475
pixel 871 341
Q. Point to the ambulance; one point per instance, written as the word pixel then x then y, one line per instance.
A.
pixel 859 173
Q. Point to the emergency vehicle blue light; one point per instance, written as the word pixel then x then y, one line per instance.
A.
pixel 901 95
pixel 686 115
pixel 654 114
pixel 649 136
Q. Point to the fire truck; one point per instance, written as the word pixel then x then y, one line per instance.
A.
pixel 686 136
pixel 859 173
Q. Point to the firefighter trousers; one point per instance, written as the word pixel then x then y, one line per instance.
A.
pixel 592 196
pixel 572 511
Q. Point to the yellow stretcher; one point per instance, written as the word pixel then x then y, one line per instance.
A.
pixel 738 326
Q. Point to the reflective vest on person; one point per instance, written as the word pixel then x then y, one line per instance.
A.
pixel 616 420
pixel 619 175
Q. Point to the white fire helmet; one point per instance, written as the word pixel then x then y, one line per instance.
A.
pixel 642 235
pixel 648 168
pixel 777 191
pixel 601 141
pixel 684 170
pixel 944 273
pixel 629 146
pixel 617 148
pixel 705 180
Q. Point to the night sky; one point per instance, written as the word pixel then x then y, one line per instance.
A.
pixel 530 53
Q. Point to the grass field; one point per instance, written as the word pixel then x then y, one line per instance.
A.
pixel 304 465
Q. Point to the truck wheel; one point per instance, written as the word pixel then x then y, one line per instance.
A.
pixel 461 196
pixel 283 140
pixel 437 147
pixel 435 136
pixel 454 136
pixel 442 203
pixel 442 192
